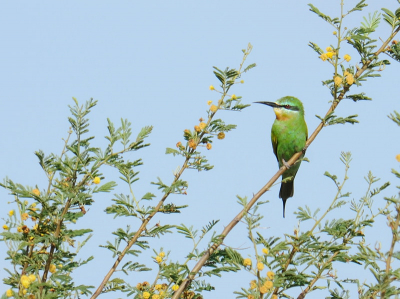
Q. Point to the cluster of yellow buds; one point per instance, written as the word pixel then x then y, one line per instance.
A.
pixel 349 77
pixel 328 55
pixel 159 257
pixel 154 292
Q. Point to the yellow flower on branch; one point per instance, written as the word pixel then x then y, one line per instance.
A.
pixel 265 250
pixel 253 284
pixel 209 103
pixel 32 277
pixel 175 287
pixel 270 275
pixel 24 216
pixel 202 125
pixel 155 296
pixel 268 284
pixel 263 290
pixel 337 80
pixel 323 56
pixel 197 128
pixel 52 268
pixel 161 254
pixel 221 135
pixel 9 293
pixel 25 281
pixel 158 259
pixel 398 158
pixel 209 146
pixel 247 262
pixel 96 180
pixel 260 266
pixel 5 226
pixel 11 213
pixel 36 192
pixel 347 57
pixel 350 79
pixel 146 295
pixel 212 87
pixel 213 108
pixel 234 97
pixel 329 49
pixel 329 55
pixel 192 144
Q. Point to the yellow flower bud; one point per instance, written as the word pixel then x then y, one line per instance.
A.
pixel 337 80
pixel 268 284
pixel 158 259
pixel 202 125
pixel 234 97
pixel 146 295
pixel 265 250
pixel 270 275
pixel 329 49
pixel 209 103
pixel 242 81
pixel 260 266
pixel 334 32
pixel 52 268
pixel 347 57
pixel 213 108
pixel 9 293
pixel 329 55
pixel 211 87
pixel 263 290
pixel 96 180
pixel 175 287
pixel 36 192
pixel 398 158
pixel 221 135
pixel 323 56
pixel 5 226
pixel 209 146
pixel 350 79
pixel 11 213
pixel 247 262
pixel 197 128
pixel 253 284
pixel 25 281
pixel 32 277
pixel 161 254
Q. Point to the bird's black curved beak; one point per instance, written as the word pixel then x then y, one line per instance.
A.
pixel 272 104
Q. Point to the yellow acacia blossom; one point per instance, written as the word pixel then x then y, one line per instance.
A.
pixel 5 226
pixel 213 108
pixel 155 296
pixel 347 57
pixel 253 284
pixel 35 227
pixel 268 284
pixel 36 192
pixel 270 275
pixel 221 135
pixel 265 250
pixel 96 180
pixel 349 79
pixel 260 266
pixel 398 158
pixel 24 216
pixel 242 81
pixel 25 281
pixel 202 125
pixel 323 56
pixel 179 144
pixel 329 55
pixel 234 97
pixel 146 295
pixel 158 287
pixel 9 293
pixel 247 262
pixel 175 287
pixel 250 297
pixel 192 144
pixel 19 229
pixel 197 128
pixel 334 32
pixel 263 290
pixel 329 49
pixel 337 80
pixel 32 277
pixel 209 146
pixel 162 254
pixel 211 87
pixel 11 213
pixel 209 103
pixel 158 259
pixel 33 205
pixel 274 297
pixel 52 268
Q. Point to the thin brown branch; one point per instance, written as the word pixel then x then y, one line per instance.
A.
pixel 264 189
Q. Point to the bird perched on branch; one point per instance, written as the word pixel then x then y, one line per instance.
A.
pixel 288 135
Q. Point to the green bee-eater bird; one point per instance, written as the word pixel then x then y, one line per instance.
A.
pixel 288 135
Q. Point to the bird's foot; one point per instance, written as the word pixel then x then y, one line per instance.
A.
pixel 285 164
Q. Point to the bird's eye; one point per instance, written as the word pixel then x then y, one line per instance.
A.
pixel 287 106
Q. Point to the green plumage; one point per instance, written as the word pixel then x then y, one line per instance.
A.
pixel 288 135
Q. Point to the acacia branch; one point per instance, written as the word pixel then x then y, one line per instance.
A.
pixel 293 159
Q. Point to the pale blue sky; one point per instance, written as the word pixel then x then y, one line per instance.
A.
pixel 151 62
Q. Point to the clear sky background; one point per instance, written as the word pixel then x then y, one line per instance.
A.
pixel 151 63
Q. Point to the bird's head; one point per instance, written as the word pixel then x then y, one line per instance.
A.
pixel 286 108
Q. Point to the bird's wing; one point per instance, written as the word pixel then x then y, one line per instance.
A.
pixel 275 145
